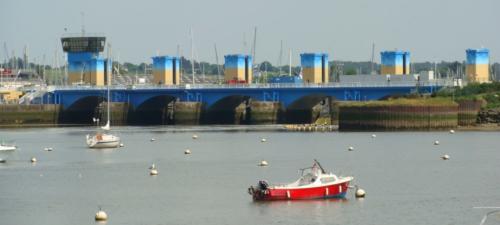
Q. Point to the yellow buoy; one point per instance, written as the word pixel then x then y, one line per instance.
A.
pixel 101 216
pixel 452 131
pixel 33 160
pixel 187 151
pixel 195 136
pixel 263 163
pixel 445 157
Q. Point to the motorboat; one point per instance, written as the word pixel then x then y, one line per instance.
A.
pixel 314 183
pixel 7 147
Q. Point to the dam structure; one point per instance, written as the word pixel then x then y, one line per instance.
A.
pixel 220 104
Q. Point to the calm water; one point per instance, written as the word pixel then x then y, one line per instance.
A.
pixel 405 180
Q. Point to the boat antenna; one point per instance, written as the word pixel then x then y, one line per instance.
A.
pixel 322 170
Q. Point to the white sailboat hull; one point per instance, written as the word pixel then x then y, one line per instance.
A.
pixel 103 141
pixel 7 147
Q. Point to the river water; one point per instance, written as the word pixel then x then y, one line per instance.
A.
pixel 405 179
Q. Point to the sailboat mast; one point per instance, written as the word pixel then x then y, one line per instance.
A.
pixel 108 79
pixel 192 56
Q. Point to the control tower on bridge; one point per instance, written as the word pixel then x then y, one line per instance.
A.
pixel 85 63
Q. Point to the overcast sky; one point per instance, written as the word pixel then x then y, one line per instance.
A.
pixel 432 30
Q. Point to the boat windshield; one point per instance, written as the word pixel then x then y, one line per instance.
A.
pixel 310 175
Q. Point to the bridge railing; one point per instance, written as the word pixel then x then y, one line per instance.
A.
pixel 267 85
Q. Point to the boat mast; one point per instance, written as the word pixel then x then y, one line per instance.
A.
pixel 108 80
pixel 192 55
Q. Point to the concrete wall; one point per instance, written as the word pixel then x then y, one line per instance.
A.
pixel 187 113
pixel 265 112
pixel 29 114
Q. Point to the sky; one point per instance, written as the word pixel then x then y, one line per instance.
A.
pixel 432 30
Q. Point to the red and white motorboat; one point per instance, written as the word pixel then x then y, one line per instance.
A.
pixel 315 183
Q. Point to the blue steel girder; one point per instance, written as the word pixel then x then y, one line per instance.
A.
pixel 209 96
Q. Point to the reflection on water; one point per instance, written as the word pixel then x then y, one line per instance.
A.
pixel 405 180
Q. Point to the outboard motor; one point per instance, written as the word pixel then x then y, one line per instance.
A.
pixel 263 185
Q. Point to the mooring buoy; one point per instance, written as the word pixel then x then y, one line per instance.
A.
pixel 263 163
pixel 359 193
pixel 101 215
pixel 153 172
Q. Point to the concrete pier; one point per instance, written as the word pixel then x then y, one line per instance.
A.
pixel 265 112
pixel 187 113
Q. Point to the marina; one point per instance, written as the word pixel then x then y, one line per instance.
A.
pixel 406 181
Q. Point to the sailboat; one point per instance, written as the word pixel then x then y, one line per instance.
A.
pixel 7 147
pixel 105 139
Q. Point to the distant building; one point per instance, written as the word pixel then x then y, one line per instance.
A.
pixel 314 67
pixel 238 68
pixel 85 64
pixel 478 65
pixel 395 63
pixel 166 70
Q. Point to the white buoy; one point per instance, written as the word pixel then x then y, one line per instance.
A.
pixel 101 215
pixel 153 172
pixel 122 145
pixel 360 193
pixel 436 142
pixel 3 160
pixel 195 136
pixel 33 159
pixel 445 157
pixel 350 148
pixel 48 149
pixel 374 135
pixel 452 131
pixel 263 140
pixel 263 163
pixel 187 151
pixel 152 139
